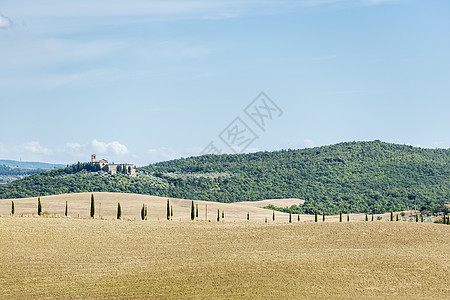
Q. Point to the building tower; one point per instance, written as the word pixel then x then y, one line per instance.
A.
pixel 93 158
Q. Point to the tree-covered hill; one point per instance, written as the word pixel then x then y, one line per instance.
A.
pixel 354 177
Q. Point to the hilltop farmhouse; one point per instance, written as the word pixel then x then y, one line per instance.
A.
pixel 113 168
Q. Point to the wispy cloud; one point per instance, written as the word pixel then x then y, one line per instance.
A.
pixel 5 22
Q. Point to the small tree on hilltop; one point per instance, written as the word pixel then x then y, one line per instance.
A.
pixel 119 211
pixel 168 209
pixel 192 211
pixel 92 206
pixel 12 208
pixel 39 206
pixel 315 215
pixel 66 210
pixel 340 215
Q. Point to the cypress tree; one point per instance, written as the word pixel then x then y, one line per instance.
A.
pixel 143 212
pixel 66 210
pixel 417 217
pixel 298 218
pixel 315 215
pixel 367 218
pixel 340 215
pixel 223 214
pixel 92 206
pixel 372 216
pixel 323 216
pixel 348 217
pixel 444 218
pixel 392 216
pixel 39 206
pixel 196 210
pixel 248 216
pixel 265 220
pixel 421 218
pixel 290 216
pixel 171 211
pixel 273 215
pixel 218 215
pixel 192 211
pixel 12 208
pixel 396 218
pixel 168 210
pixel 146 212
pixel 119 211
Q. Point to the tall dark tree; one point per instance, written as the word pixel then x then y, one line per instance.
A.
pixel 143 212
pixel 39 206
pixel 340 215
pixel 273 215
pixel 168 209
pixel 315 215
pixel 392 216
pixel 119 211
pixel 218 215
pixel 290 216
pixel 66 210
pixel 196 210
pixel 323 216
pixel 192 211
pixel 367 218
pixel 223 214
pixel 298 218
pixel 248 216
pixel 12 208
pixel 396 218
pixel 92 212
pixel 171 211
pixel 348 217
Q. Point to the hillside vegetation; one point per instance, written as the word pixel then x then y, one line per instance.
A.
pixel 352 177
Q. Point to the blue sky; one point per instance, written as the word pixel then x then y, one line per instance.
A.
pixel 145 81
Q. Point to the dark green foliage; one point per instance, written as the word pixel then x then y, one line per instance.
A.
pixel 143 212
pixel 290 217
pixel 168 210
pixel 218 215
pixel 352 177
pixel 119 211
pixel 315 215
pixel 248 216
pixel 196 210
pixel 323 216
pixel 192 211
pixel 392 216
pixel 66 210
pixel 92 212
pixel 39 206
pixel 12 208
pixel 340 215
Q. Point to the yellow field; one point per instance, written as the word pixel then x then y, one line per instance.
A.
pixel 91 258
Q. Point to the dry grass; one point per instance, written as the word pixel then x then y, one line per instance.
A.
pixel 82 258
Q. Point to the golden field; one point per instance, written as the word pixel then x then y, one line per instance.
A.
pixel 80 258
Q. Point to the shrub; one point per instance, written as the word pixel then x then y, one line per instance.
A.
pixel 119 211
pixel 92 206
pixel 379 218
pixel 402 214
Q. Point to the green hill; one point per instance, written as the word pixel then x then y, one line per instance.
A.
pixel 354 177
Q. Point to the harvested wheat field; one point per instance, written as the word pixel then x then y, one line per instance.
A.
pixel 91 258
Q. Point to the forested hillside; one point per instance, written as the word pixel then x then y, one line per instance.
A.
pixel 354 177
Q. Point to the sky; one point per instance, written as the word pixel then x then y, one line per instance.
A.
pixel 146 81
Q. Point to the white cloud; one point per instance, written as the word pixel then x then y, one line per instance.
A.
pixel 308 143
pixel 5 22
pixel 35 147
pixel 114 148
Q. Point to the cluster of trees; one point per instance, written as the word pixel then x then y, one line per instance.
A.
pixel 15 171
pixel 348 177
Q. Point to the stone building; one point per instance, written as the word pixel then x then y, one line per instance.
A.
pixel 113 168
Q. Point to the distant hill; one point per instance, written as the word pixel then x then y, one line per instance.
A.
pixel 11 170
pixel 352 177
